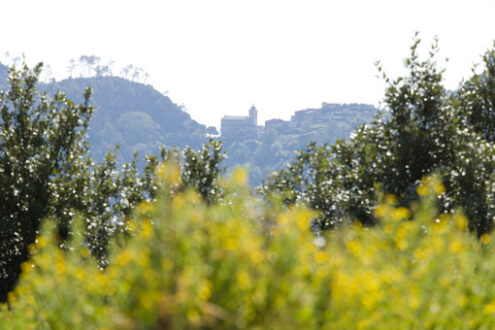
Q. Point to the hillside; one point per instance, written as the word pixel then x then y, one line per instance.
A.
pixel 139 118
pixel 272 147
pixel 4 71
pixel 133 115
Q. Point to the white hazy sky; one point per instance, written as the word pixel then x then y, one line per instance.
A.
pixel 218 57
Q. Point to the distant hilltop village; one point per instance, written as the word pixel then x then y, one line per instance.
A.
pixel 232 126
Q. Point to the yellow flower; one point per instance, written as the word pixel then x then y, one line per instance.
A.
pixel 421 253
pixel 101 279
pixel 241 177
pixel 485 238
pixel 144 258
pixel 147 229
pixel 381 210
pixel 462 222
pixel 303 219
pixel 320 257
pixel 401 213
pixel 11 296
pixel 205 290
pixel 178 202
pixel 489 308
pixel 26 267
pixel 60 266
pixel 414 301
pixel 388 229
pixel 422 190
pixel 390 199
pixel 354 247
pixel 228 243
pixel 357 225
pixel 255 255
pixel 437 244
pixel 41 241
pixel 439 188
pixel 243 279
pixel 456 246
pixel 440 224
pixel 401 243
pixel 144 207
pixel 169 173
pixel 124 258
pixel 80 274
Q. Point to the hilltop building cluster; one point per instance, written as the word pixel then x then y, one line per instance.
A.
pixel 232 126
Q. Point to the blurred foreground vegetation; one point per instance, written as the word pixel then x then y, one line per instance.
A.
pixel 390 229
pixel 252 264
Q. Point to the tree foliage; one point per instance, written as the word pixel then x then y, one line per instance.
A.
pixel 422 129
pixel 45 171
pixel 40 147
pixel 202 169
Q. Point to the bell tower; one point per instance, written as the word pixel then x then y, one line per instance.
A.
pixel 253 116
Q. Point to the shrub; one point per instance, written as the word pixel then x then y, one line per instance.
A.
pixel 243 264
pixel 423 129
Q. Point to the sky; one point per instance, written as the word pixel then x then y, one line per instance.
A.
pixel 219 57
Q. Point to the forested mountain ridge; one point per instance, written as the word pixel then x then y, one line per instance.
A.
pixel 133 115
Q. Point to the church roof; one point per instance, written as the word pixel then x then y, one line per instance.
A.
pixel 235 117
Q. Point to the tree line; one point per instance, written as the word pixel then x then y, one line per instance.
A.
pixel 93 66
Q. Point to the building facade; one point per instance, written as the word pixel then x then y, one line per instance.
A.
pixel 231 125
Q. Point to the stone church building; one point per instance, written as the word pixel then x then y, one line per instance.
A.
pixel 231 125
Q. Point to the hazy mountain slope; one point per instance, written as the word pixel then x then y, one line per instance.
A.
pixel 277 144
pixel 139 118
pixel 133 115
pixel 4 72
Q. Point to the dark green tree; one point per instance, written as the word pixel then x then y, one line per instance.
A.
pixel 201 170
pixel 45 172
pixel 476 98
pixel 422 129
pixel 310 180
pixel 41 146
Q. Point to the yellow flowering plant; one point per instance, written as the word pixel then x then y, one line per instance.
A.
pixel 245 263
